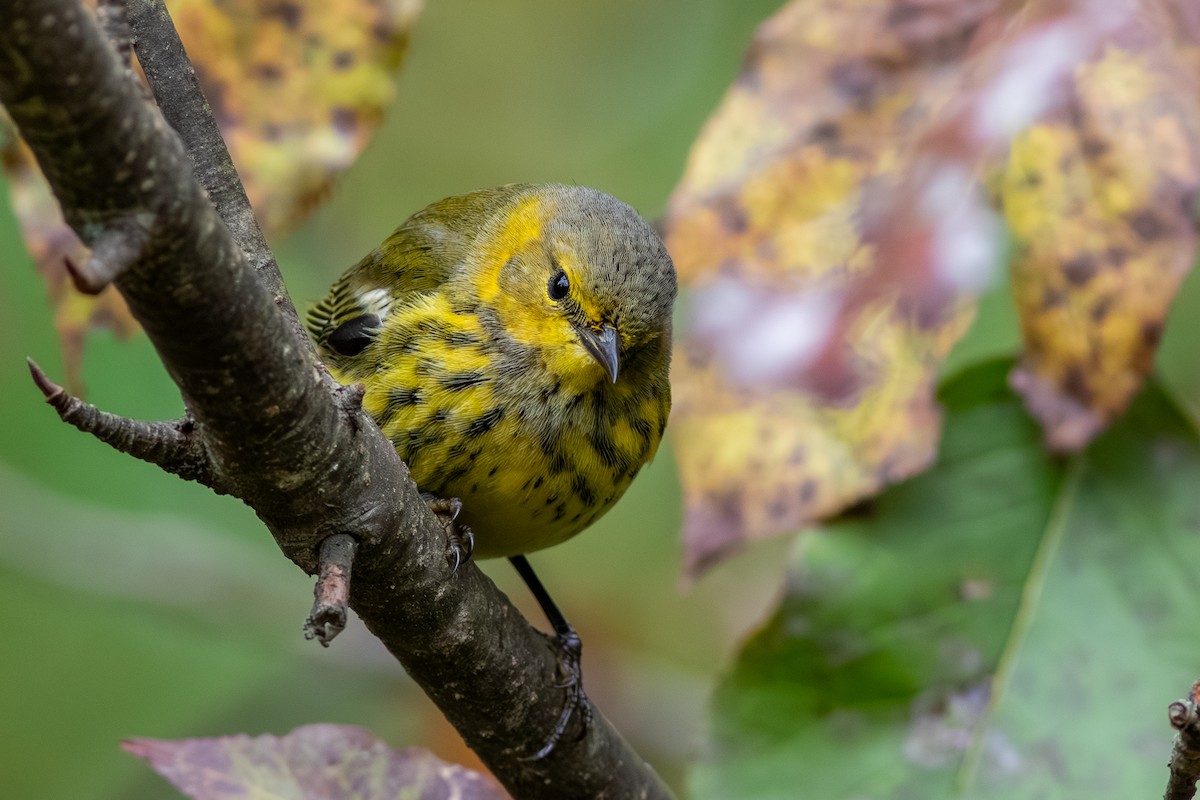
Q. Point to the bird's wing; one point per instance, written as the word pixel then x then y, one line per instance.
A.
pixel 417 258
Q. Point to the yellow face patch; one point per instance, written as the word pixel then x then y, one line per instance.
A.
pixel 522 226
pixel 517 290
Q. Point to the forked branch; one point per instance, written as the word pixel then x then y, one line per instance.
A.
pixel 268 425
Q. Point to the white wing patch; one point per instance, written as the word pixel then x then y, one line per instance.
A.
pixel 376 301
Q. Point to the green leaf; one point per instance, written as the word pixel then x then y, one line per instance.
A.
pixel 331 762
pixel 1007 625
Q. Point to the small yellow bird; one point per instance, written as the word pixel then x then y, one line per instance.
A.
pixel 514 344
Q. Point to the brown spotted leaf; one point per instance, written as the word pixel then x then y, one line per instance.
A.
pixel 297 86
pixel 833 224
pixel 1101 200
pixel 330 762
pixel 765 226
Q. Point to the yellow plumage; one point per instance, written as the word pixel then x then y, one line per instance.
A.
pixel 514 344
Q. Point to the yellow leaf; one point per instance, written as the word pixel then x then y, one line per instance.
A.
pixel 765 226
pixel 833 226
pixel 297 88
pixel 1101 203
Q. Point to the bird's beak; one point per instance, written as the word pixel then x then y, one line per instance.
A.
pixel 604 344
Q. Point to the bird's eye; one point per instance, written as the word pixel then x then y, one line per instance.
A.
pixel 558 286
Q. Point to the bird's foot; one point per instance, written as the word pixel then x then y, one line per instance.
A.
pixel 460 541
pixel 570 651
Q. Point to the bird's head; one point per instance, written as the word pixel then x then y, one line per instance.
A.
pixel 580 278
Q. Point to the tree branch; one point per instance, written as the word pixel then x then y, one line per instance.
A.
pixel 277 431
pixel 168 445
pixel 1185 755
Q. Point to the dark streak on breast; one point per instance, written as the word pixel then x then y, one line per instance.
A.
pixel 403 396
pixel 641 426
pixel 582 490
pixel 458 381
pixel 485 422
pixel 461 339
pixel 604 446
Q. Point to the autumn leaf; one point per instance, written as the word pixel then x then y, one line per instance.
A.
pixel 835 225
pixel 330 762
pixel 1101 201
pixel 765 226
pixel 297 87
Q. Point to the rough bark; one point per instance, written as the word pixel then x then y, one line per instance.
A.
pixel 265 420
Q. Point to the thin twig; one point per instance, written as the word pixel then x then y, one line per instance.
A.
pixel 168 445
pixel 118 247
pixel 331 595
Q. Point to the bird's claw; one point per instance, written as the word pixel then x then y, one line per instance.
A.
pixel 460 540
pixel 462 543
pixel 570 651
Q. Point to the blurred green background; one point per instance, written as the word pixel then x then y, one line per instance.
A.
pixel 139 605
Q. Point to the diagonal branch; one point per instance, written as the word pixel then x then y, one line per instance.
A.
pixel 278 433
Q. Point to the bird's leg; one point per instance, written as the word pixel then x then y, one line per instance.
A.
pixel 570 649
pixel 459 538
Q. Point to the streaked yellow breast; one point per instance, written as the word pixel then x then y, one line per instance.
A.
pixel 476 416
